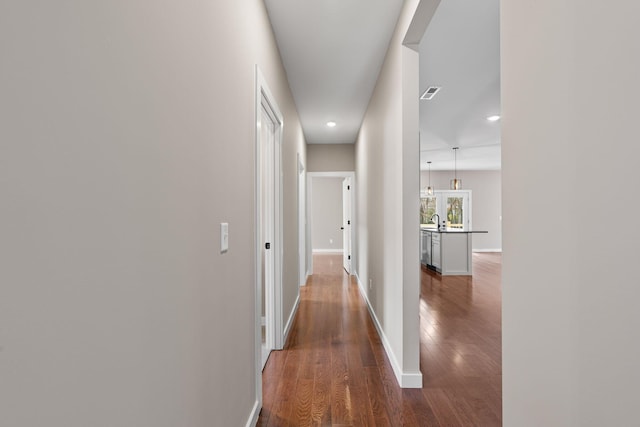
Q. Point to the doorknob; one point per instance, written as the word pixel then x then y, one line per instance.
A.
pixel 341 228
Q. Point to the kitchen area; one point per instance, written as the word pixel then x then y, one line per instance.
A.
pixel 446 235
pixel 460 138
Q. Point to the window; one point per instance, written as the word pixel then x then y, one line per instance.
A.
pixel 452 206
pixel 455 213
pixel 428 208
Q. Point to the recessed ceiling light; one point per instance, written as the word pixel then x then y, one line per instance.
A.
pixel 331 124
pixel 493 118
pixel 430 93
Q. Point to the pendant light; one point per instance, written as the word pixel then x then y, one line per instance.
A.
pixel 455 183
pixel 429 188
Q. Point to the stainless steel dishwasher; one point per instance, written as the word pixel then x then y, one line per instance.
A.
pixel 427 249
pixel 435 251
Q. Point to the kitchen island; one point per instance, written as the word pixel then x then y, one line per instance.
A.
pixel 447 251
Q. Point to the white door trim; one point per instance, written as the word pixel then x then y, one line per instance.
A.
pixel 263 96
pixel 354 246
pixel 302 224
pixel 346 225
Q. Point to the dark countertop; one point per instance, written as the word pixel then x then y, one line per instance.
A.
pixel 451 230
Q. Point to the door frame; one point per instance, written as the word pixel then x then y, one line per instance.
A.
pixel 354 222
pixel 347 261
pixel 302 222
pixel 274 299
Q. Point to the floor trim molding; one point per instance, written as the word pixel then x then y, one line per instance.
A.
pixel 328 251
pixel 289 324
pixel 253 417
pixel 405 379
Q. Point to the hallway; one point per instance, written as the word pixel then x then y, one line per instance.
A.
pixel 334 370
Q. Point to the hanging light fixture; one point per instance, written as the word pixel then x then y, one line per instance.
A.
pixel 455 183
pixel 429 188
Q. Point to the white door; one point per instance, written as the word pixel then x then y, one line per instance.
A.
pixel 455 209
pixel 302 224
pixel 346 224
pixel 269 229
pixel 267 204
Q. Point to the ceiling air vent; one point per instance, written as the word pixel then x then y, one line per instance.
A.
pixel 430 92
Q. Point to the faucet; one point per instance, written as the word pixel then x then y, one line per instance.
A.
pixel 437 222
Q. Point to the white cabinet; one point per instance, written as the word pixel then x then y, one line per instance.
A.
pixel 456 254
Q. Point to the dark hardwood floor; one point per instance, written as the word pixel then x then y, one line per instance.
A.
pixel 334 371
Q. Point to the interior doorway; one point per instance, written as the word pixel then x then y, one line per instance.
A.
pixel 269 125
pixel 302 223
pixel 346 224
pixel 343 226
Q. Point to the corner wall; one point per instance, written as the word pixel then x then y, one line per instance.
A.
pixel 127 136
pixel 387 171
pixel 570 177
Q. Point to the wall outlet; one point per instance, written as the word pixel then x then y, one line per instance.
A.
pixel 370 284
pixel 331 241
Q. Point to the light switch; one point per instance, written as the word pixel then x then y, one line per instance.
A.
pixel 224 237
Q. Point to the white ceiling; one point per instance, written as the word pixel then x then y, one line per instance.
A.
pixel 332 51
pixel 460 52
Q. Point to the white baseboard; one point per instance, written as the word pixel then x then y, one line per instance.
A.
pixel 328 251
pixel 306 279
pixel 487 250
pixel 292 316
pixel 405 379
pixel 253 417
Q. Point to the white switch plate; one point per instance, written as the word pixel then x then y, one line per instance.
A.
pixel 224 237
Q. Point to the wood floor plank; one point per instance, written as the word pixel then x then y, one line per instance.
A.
pixel 321 402
pixel 341 399
pixel 376 397
pixel 442 408
pixel 302 404
pixel 422 411
pixel 285 394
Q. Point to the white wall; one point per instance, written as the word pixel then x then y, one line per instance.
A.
pixel 126 137
pixel 570 288
pixel 331 157
pixel 486 187
pixel 387 171
pixel 326 205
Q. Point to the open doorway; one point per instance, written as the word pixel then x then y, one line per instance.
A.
pixel 269 239
pixel 346 224
pixel 330 216
pixel 302 222
pixel 460 156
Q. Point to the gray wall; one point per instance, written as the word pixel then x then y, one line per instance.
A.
pixel 388 179
pixel 570 291
pixel 326 202
pixel 331 158
pixel 127 136
pixel 486 203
